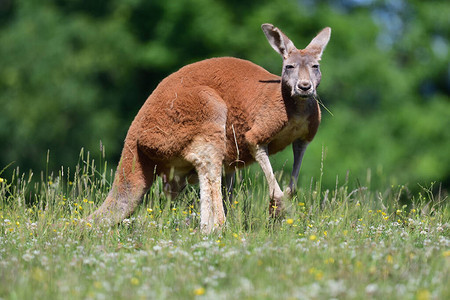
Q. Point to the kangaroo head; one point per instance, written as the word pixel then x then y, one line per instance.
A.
pixel 301 74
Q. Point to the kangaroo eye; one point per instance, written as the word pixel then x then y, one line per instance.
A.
pixel 315 66
pixel 289 67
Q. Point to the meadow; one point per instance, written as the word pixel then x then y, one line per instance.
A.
pixel 341 243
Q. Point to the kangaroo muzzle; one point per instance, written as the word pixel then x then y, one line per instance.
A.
pixel 303 89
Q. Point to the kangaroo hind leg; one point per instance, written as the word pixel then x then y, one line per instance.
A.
pixel 206 153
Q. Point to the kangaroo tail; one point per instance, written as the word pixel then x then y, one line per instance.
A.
pixel 133 178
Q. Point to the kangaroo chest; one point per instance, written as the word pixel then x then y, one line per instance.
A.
pixel 297 127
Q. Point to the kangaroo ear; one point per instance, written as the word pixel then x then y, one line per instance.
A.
pixel 278 40
pixel 319 43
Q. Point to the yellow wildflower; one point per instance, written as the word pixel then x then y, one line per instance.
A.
pixel 389 259
pixel 329 261
pixel 312 237
pixel 358 265
pixel 2 180
pixel 423 295
pixel 134 281
pixel 199 291
pixel 318 275
pixel 290 221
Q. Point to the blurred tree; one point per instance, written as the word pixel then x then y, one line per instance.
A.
pixel 59 80
pixel 74 73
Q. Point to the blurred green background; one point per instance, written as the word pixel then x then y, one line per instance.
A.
pixel 74 73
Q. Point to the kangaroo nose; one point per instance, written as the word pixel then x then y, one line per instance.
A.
pixel 304 85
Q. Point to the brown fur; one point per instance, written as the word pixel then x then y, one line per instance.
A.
pixel 210 114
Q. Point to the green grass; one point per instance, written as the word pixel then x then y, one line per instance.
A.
pixel 341 243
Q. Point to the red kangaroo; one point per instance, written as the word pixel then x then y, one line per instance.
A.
pixel 211 114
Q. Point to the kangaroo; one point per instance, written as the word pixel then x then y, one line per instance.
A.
pixel 212 114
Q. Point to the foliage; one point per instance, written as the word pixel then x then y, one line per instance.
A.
pixel 74 73
pixel 327 239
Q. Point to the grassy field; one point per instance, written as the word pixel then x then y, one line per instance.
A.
pixel 343 243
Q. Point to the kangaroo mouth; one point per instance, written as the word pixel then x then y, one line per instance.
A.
pixel 297 93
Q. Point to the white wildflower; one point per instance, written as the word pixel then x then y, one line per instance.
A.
pixel 336 287
pixel 27 257
pixel 33 226
pixel 371 288
pixel 44 260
